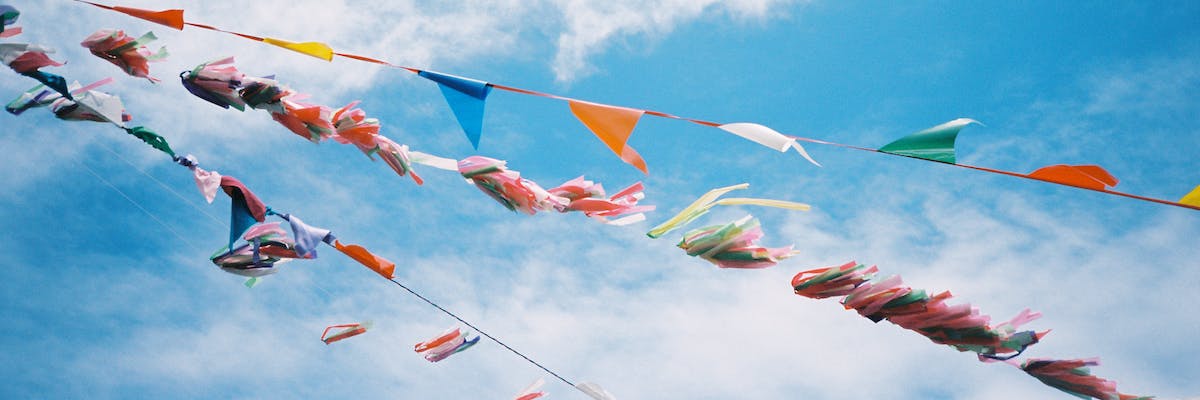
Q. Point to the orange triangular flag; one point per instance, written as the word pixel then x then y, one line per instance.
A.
pixel 315 49
pixel 171 18
pixel 380 265
pixel 612 125
pixel 1192 198
pixel 1085 176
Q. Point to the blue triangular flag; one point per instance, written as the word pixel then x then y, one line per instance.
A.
pixel 240 217
pixel 466 99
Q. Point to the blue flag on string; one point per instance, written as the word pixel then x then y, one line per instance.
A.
pixel 466 99
pixel 245 208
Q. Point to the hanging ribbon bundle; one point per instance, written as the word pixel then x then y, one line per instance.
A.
pixel 731 245
pixel 8 16
pixel 308 121
pixel 28 59
pixel 345 331
pixel 450 342
pixel 959 326
pixel 130 54
pixel 515 193
pixel 220 83
pixel 533 391
pixel 1073 377
pixel 86 104
pixel 265 244
pixel 353 127
pixel 216 82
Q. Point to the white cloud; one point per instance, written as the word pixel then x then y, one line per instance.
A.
pixel 591 27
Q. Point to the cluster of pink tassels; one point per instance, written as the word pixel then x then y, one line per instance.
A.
pixel 960 326
pixel 519 194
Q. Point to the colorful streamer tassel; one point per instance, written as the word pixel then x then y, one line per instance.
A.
pixel 27 59
pixel 959 326
pixel 220 83
pixel 353 127
pixel 8 16
pixel 266 245
pixel 99 103
pixel 345 331
pixel 588 197
pixel 311 122
pixel 733 245
pixel 216 82
pixel 507 187
pixel 533 391
pixel 515 193
pixel 450 342
pixel 24 58
pixel 91 105
pixel 130 54
pixel 38 96
pixel 1074 378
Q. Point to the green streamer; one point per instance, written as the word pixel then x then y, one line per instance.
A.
pixel 151 138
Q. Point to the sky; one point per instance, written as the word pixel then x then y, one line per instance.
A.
pixel 107 290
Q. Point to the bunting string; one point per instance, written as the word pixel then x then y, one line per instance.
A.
pixel 138 205
pixel 617 136
pixel 1185 202
pixel 173 192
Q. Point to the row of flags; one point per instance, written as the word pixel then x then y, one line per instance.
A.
pixel 614 125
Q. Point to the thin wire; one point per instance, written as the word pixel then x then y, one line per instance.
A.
pixel 168 188
pixel 139 206
pixel 185 200
pixel 178 235
pixel 481 332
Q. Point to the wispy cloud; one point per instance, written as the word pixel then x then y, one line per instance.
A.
pixel 591 27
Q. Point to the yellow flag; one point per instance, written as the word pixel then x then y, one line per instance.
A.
pixel 1193 198
pixel 315 49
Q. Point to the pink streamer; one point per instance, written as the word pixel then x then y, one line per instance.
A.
pixel 124 51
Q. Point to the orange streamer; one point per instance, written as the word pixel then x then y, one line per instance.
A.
pixel 380 265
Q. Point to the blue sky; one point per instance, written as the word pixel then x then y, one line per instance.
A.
pixel 102 301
